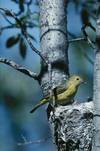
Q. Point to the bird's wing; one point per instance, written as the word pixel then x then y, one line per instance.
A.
pixel 58 90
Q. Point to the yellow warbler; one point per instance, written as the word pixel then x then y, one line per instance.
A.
pixel 64 95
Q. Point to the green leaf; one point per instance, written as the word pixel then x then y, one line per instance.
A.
pixel 12 41
pixel 22 48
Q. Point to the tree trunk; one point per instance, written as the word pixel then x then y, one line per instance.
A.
pixel 72 125
pixel 54 43
pixel 96 139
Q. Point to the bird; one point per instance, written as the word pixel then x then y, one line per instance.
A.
pixel 65 95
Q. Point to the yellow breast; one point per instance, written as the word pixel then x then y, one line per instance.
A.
pixel 67 96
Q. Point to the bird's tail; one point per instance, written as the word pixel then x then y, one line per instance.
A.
pixel 42 102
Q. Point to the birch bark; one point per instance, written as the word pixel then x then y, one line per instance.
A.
pixel 54 42
pixel 96 139
pixel 72 128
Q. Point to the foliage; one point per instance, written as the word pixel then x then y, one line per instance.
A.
pixel 28 18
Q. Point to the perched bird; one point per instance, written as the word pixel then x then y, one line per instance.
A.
pixel 65 95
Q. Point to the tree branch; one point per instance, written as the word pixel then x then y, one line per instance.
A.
pixel 91 43
pixel 5 17
pixel 24 32
pixel 84 53
pixel 76 39
pixel 7 27
pixel 29 142
pixel 19 68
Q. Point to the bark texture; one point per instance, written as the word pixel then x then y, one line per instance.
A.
pixel 72 127
pixel 96 139
pixel 54 42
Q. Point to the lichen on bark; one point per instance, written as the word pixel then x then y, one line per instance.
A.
pixel 72 128
pixel 54 42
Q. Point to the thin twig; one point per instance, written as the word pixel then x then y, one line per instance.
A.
pixel 23 28
pixel 26 142
pixel 91 43
pixel 76 39
pixel 6 27
pixel 19 68
pixel 84 53
pixel 31 142
pixel 5 17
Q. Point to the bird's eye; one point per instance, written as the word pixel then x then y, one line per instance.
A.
pixel 77 79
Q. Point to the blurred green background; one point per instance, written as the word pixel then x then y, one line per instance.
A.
pixel 19 93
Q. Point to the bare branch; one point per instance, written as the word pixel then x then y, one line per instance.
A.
pixel 91 43
pixel 76 39
pixel 26 142
pixel 24 32
pixel 85 38
pixel 19 68
pixel 32 142
pixel 5 17
pixel 6 27
pixel 84 53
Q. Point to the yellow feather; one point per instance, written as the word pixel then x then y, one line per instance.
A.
pixel 64 95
